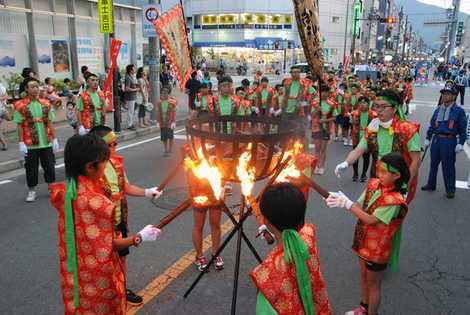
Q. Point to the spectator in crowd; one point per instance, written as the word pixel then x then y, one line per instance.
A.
pixel 130 94
pixel 192 88
pixel 461 82
pixel 4 114
pixel 142 96
pixel 51 93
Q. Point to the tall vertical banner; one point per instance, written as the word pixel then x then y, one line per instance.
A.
pixel 108 84
pixel 105 14
pixel 308 23
pixel 171 29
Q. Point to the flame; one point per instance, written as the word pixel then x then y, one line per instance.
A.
pixel 203 170
pixel 291 169
pixel 245 173
pixel 200 200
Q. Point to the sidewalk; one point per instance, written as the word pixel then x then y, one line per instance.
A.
pixel 11 160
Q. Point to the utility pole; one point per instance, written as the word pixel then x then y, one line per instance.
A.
pixel 154 69
pixel 452 29
pixel 346 32
pixel 411 42
pixel 371 19
pixel 400 21
pixel 33 52
pixel 404 39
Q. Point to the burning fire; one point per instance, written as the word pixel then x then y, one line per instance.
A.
pixel 245 173
pixel 291 169
pixel 203 170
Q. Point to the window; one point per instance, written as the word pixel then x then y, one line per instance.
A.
pixel 335 19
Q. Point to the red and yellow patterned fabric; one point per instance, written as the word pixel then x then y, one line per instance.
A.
pixel 171 114
pixel 30 133
pixel 403 131
pixel 101 277
pixel 317 115
pixel 408 92
pixel 209 101
pixel 88 114
pixel 277 280
pixel 374 242
pixel 356 125
pixel 306 163
pixel 117 162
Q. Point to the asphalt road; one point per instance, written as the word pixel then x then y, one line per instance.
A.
pixel 433 275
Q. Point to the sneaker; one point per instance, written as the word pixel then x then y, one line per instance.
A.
pixel 363 178
pixel 133 298
pixel 360 310
pixel 350 142
pixel 450 195
pixel 219 263
pixel 355 178
pixel 200 263
pixel 31 196
pixel 427 188
pixel 321 171
pixel 345 141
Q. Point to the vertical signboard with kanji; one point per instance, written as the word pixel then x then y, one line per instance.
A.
pixel 105 12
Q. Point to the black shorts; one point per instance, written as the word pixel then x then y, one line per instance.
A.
pixel 166 134
pixel 321 135
pixel 372 266
pixel 346 123
pixel 141 113
pixel 123 229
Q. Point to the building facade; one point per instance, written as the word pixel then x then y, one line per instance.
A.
pixel 259 31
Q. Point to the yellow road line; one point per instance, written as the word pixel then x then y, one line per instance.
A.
pixel 158 284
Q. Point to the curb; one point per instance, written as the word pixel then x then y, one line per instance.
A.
pixel 16 164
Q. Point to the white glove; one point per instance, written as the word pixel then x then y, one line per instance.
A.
pixel 173 126
pixel 278 112
pixel 272 111
pixel 340 168
pixel 338 200
pixel 458 148
pixel 82 131
pixel 309 117
pixel 23 148
pixel 153 192
pixel 303 103
pixel 427 143
pixel 149 233
pixel 255 109
pixel 55 145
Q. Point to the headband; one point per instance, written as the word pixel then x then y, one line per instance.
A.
pixel 395 104
pixel 109 137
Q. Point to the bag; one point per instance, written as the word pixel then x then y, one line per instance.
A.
pixel 149 107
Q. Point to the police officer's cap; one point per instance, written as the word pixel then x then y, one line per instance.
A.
pixel 450 88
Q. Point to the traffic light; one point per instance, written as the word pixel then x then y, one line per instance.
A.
pixel 458 35
pixel 388 20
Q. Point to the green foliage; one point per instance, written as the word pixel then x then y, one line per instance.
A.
pixel 12 81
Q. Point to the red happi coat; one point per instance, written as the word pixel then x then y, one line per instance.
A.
pixel 277 280
pixel 302 96
pixel 408 92
pixel 170 115
pixel 259 100
pixel 30 132
pixel 375 242
pixel 306 163
pixel 317 115
pixel 356 124
pixel 209 101
pixel 403 131
pixel 88 114
pixel 101 276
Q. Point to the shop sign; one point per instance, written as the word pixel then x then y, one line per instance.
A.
pixel 209 19
pixel 105 13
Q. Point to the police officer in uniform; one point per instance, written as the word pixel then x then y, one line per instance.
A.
pixel 446 135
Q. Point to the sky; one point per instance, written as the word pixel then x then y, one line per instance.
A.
pixel 464 4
